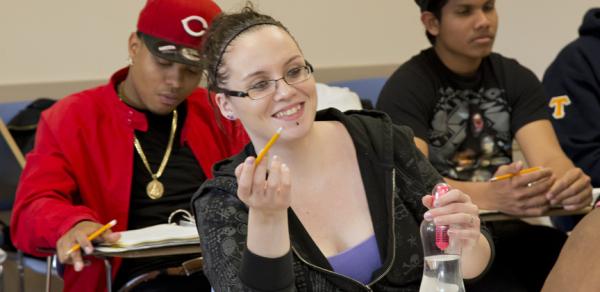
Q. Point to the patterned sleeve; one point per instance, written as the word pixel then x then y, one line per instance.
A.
pixel 221 219
pixel 414 170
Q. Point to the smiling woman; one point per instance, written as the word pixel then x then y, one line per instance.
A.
pixel 332 177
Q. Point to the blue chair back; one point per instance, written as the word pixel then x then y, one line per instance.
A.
pixel 10 169
pixel 367 88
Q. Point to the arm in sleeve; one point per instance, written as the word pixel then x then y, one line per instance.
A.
pixel 525 95
pixel 573 87
pixel 415 170
pixel 44 206
pixel 408 156
pixel 221 220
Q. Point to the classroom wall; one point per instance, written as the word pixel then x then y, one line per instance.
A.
pixel 55 47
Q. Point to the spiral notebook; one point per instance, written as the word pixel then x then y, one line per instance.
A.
pixel 160 235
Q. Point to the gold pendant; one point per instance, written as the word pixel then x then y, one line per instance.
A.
pixel 155 189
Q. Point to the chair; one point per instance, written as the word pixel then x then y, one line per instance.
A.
pixel 13 161
pixel 367 88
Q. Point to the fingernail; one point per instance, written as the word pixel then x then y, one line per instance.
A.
pixel 553 202
pixel 284 167
pixel 549 196
pixel 249 160
pixel 427 216
pixel 78 267
pixel 88 249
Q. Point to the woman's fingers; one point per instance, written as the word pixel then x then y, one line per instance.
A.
pixel 245 179
pixel 260 189
pixel 463 219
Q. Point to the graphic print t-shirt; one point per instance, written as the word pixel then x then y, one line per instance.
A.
pixel 468 121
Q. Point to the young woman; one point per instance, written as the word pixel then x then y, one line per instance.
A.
pixel 336 205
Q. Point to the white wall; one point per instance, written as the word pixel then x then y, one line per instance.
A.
pixel 65 40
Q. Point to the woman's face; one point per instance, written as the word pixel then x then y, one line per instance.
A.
pixel 268 53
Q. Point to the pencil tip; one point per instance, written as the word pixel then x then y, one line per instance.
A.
pixel 113 222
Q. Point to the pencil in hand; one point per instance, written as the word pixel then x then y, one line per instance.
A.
pixel 509 175
pixel 94 235
pixel 265 150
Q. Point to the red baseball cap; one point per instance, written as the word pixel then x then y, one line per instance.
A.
pixel 174 29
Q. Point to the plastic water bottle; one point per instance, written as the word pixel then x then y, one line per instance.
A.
pixel 441 267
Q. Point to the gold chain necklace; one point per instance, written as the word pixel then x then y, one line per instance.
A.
pixel 154 189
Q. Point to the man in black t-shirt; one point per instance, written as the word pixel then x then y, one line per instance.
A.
pixel 466 105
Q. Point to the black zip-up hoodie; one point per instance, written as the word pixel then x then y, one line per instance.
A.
pixel 395 175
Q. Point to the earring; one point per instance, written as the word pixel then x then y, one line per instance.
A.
pixel 129 61
pixel 230 117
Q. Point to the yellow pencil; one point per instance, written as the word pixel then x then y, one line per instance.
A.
pixel 94 235
pixel 264 151
pixel 509 175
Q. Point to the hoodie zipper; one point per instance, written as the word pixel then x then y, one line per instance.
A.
pixel 393 223
pixel 388 268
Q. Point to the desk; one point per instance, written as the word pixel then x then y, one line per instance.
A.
pixel 191 248
pixel 487 216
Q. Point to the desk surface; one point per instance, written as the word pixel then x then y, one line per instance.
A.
pixel 498 216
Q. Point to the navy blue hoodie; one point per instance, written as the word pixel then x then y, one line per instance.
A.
pixel 572 83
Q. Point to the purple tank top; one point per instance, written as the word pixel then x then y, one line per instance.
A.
pixel 358 262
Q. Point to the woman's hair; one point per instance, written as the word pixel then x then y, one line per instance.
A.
pixel 224 29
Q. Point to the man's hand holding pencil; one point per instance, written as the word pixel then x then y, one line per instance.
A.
pixel 519 191
pixel 80 237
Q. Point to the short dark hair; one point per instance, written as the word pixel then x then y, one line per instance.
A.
pixel 435 7
pixel 224 29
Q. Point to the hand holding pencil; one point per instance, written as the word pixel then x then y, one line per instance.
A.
pixel 80 237
pixel 518 191
pixel 265 194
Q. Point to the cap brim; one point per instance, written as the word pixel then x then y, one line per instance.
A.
pixel 170 51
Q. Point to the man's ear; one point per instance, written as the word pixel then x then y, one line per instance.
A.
pixel 133 45
pixel 225 106
pixel 431 23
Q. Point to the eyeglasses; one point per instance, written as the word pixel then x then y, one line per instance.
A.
pixel 268 87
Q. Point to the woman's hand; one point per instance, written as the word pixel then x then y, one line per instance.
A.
pixel 267 195
pixel 456 210
pixel 268 198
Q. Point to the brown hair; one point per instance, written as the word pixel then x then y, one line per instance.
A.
pixel 224 29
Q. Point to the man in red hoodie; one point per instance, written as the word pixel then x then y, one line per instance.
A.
pixel 134 150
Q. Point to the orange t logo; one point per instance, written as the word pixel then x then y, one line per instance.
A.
pixel 558 103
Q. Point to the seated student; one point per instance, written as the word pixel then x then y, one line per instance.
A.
pixel 134 150
pixel 337 185
pixel 573 84
pixel 577 268
pixel 465 105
